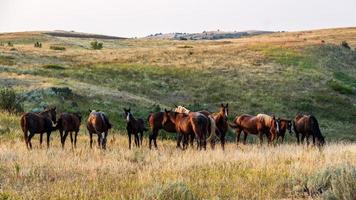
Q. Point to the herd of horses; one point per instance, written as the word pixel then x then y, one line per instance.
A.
pixel 200 126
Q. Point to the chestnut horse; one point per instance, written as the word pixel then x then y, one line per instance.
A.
pixel 69 123
pixel 134 126
pixel 155 121
pixel 285 125
pixel 307 125
pixel 221 123
pixel 185 124
pixel 38 123
pixel 98 123
pixel 256 125
pixel 212 126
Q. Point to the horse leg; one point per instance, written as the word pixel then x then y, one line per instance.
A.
pixel 99 140
pixel 137 140
pixel 64 138
pixel 141 138
pixel 238 133
pixel 308 140
pixel 179 139
pixel 91 139
pixel 129 135
pixel 260 135
pixel 26 137
pixel 71 138
pixel 75 139
pixel 313 139
pixel 222 140
pixel 297 136
pixel 29 139
pixel 192 136
pixel 48 138
pixel 41 139
pixel 302 139
pixel 104 140
pixel 245 137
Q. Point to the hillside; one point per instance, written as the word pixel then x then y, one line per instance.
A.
pixel 280 73
pixel 207 35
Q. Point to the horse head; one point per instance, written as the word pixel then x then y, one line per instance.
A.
pixel 51 113
pixel 224 110
pixel 276 123
pixel 127 114
pixel 168 116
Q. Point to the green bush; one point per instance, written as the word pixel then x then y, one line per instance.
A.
pixel 9 101
pixel 38 45
pixel 340 87
pixel 57 48
pixel 96 45
pixel 175 190
pixel 333 183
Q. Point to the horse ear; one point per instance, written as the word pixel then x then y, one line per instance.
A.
pixel 165 110
pixel 55 108
pixel 129 109
pixel 89 110
pixel 222 105
pixel 175 105
pixel 227 105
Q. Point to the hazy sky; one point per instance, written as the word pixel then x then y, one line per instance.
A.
pixel 142 17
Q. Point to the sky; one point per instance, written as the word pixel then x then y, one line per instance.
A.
pixel 137 18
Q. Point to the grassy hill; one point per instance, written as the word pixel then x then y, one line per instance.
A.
pixel 280 73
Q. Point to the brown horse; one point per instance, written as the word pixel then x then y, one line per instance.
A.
pixel 256 125
pixel 221 123
pixel 135 127
pixel 38 123
pixel 213 129
pixel 307 125
pixel 285 125
pixel 98 123
pixel 155 121
pixel 69 123
pixel 185 124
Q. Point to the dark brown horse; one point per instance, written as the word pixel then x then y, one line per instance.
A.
pixel 285 125
pixel 307 125
pixel 155 121
pixel 40 123
pixel 98 123
pixel 69 123
pixel 135 127
pixel 257 125
pixel 186 124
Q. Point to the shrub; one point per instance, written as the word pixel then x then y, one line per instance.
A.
pixel 345 45
pixel 38 45
pixel 10 44
pixel 9 101
pixel 53 66
pixel 96 45
pixel 333 183
pixel 340 87
pixel 174 190
pixel 57 48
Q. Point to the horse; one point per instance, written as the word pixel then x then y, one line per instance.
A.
pixel 256 125
pixel 213 128
pixel 155 120
pixel 38 123
pixel 285 125
pixel 69 123
pixel 186 124
pixel 221 121
pixel 307 125
pixel 134 126
pixel 98 123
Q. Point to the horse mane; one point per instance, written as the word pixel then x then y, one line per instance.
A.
pixel 182 109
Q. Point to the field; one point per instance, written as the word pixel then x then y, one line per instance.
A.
pixel 280 73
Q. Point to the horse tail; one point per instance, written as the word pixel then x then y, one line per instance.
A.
pixel 212 128
pixel 314 125
pixel 24 127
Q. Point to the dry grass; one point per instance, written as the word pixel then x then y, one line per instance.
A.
pixel 246 172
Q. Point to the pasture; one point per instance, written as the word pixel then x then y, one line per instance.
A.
pixel 281 74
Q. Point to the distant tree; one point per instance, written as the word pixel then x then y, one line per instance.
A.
pixel 38 45
pixel 9 101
